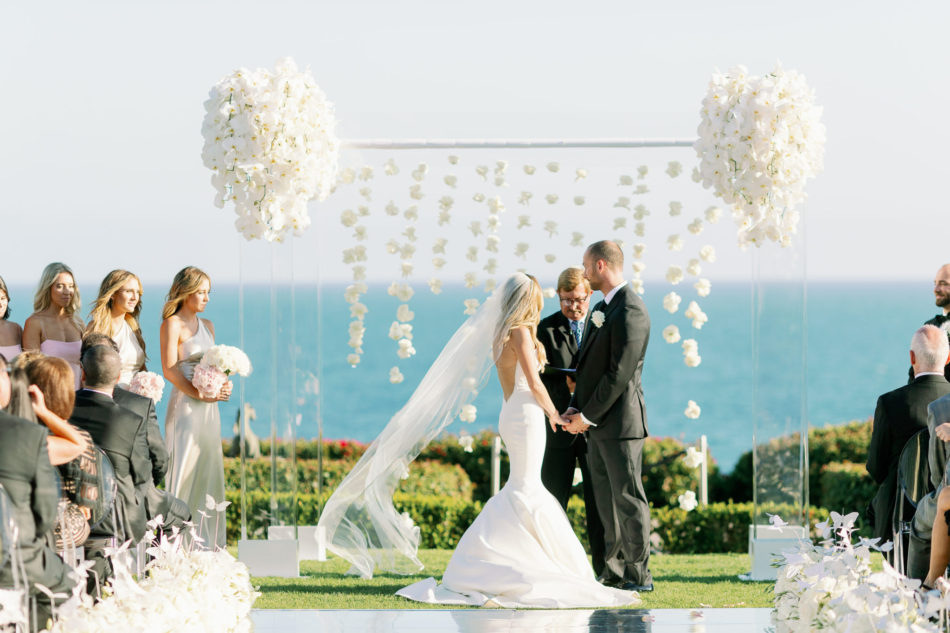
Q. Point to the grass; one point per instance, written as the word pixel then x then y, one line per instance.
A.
pixel 682 582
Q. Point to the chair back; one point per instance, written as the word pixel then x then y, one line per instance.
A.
pixel 100 495
pixel 913 468
pixel 8 529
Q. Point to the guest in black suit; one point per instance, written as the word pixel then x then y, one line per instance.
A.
pixel 29 480
pixel 608 401
pixel 561 333
pixel 149 445
pixel 116 431
pixel 942 300
pixel 900 414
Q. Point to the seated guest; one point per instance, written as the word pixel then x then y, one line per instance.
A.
pixel 115 430
pixel 149 445
pixel 54 328
pixel 29 480
pixel 28 402
pixel 936 504
pixel 928 540
pixel 900 414
pixel 53 378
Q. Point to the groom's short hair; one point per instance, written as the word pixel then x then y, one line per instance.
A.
pixel 571 278
pixel 607 251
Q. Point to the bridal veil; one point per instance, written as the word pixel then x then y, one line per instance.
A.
pixel 361 523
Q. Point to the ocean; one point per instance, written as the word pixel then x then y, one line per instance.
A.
pixel 858 339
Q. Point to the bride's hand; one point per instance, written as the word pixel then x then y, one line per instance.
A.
pixel 225 392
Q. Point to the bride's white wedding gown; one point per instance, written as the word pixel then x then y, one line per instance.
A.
pixel 521 550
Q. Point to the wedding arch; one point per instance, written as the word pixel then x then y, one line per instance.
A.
pixel 454 217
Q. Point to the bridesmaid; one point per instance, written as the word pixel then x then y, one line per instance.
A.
pixel 115 313
pixel 11 334
pixel 193 424
pixel 54 328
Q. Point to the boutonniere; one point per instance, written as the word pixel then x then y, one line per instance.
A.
pixel 597 318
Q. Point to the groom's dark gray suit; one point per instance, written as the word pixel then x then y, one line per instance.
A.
pixel 609 395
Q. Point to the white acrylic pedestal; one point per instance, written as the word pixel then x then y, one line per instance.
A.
pixel 273 557
pixel 311 540
pixel 766 544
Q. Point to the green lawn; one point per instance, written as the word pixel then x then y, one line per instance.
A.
pixel 682 581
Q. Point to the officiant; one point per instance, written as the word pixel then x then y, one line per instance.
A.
pixel 561 334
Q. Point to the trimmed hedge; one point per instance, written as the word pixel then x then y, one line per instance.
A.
pixel 442 520
pixel 827 445
pixel 665 476
pixel 719 527
pixel 426 477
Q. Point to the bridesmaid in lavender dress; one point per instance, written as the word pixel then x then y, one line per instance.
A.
pixel 193 424
pixel 115 313
pixel 11 334
pixel 54 327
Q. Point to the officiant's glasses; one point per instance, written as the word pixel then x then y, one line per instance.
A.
pixel 570 301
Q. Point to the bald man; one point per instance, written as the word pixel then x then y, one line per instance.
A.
pixel 899 415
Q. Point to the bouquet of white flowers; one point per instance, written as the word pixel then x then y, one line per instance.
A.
pixel 148 384
pixel 217 364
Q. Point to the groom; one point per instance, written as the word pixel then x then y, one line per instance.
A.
pixel 608 405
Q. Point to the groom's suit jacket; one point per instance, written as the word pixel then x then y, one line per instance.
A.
pixel 609 368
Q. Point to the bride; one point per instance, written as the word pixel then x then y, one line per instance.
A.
pixel 521 550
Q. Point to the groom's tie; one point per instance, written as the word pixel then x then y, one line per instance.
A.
pixel 576 331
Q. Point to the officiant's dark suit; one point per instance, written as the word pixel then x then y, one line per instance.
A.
pixel 609 395
pixel 564 451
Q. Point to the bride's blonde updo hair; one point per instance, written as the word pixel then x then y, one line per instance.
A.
pixel 186 283
pixel 521 303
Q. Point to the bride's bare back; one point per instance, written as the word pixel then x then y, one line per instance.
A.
pixel 520 349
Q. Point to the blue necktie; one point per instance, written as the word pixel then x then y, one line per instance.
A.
pixel 576 331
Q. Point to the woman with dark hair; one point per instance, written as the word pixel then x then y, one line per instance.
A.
pixel 193 424
pixel 54 328
pixel 11 334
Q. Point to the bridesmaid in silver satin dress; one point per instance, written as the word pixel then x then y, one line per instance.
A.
pixel 193 424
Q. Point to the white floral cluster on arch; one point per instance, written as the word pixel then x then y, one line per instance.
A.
pixel 270 142
pixel 760 140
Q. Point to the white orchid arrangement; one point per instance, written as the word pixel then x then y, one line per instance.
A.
pixel 182 589
pixel 830 586
pixel 271 144
pixel 760 140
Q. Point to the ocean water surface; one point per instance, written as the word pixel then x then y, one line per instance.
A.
pixel 858 336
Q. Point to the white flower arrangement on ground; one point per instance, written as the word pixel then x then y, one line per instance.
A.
pixel 270 140
pixel 760 140
pixel 148 384
pixel 182 589
pixel 831 587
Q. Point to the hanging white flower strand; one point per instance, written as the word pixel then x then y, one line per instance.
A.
pixel 271 144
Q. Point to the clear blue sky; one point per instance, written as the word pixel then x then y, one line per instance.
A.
pixel 102 108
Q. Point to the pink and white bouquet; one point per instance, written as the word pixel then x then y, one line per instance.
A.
pixel 148 384
pixel 217 364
